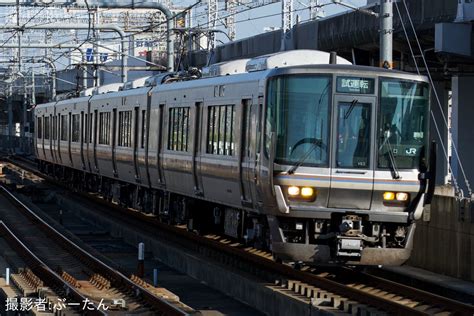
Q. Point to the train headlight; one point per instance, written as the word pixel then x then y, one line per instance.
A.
pixel 293 191
pixel 304 194
pixel 389 196
pixel 307 192
pixel 402 196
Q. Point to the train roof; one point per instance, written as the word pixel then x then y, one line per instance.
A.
pixel 243 70
pixel 346 69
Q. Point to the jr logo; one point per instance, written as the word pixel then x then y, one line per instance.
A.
pixel 411 151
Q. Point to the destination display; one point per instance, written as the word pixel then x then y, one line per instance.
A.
pixel 355 85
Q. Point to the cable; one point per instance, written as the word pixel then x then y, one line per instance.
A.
pixel 445 152
pixel 22 27
pixel 438 100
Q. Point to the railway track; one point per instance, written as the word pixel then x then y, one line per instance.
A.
pixel 73 273
pixel 348 290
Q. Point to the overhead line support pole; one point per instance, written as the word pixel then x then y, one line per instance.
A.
pixel 63 26
pixel 386 34
pixel 48 60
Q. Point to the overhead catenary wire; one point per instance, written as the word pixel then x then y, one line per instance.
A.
pixel 438 102
pixel 443 146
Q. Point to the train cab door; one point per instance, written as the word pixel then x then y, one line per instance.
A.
pixel 352 171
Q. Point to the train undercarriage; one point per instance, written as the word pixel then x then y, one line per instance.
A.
pixel 343 238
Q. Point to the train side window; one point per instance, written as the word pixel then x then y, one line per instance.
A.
pixel 64 128
pixel 178 129
pixel 220 138
pixel 39 129
pixel 46 127
pixel 125 129
pixel 104 128
pixel 75 128
pixel 144 129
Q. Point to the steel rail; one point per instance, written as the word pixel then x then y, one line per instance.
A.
pixel 417 294
pixel 51 278
pixel 458 308
pixel 269 265
pixel 118 279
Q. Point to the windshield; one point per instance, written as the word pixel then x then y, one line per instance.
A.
pixel 403 123
pixel 298 112
pixel 353 135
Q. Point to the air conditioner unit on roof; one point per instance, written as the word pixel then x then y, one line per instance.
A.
pixel 292 58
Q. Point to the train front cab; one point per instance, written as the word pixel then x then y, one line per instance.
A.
pixel 349 147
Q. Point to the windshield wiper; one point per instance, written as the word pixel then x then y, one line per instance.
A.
pixel 315 143
pixel 391 157
pixel 351 107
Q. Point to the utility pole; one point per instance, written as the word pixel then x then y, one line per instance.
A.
pixel 286 21
pixel 315 11
pixel 212 16
pixel 95 54
pixel 10 113
pixel 231 5
pixel 33 88
pixel 386 34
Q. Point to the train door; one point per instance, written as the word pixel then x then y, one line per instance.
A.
pixel 258 176
pixel 59 136
pixel 352 172
pixel 94 139
pixel 43 127
pixel 196 151
pixel 159 151
pixel 135 142
pixel 85 137
pixel 51 137
pixel 71 163
pixel 83 160
pixel 247 152
pixel 145 136
pixel 55 137
pixel 114 141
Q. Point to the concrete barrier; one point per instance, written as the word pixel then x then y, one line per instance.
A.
pixel 444 239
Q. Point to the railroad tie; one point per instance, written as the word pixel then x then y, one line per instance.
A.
pixel 100 282
pixel 336 301
pixel 139 281
pixel 70 279
pixel 31 279
pixel 352 307
pixel 303 289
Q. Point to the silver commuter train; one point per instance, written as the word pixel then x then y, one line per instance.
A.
pixel 321 162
